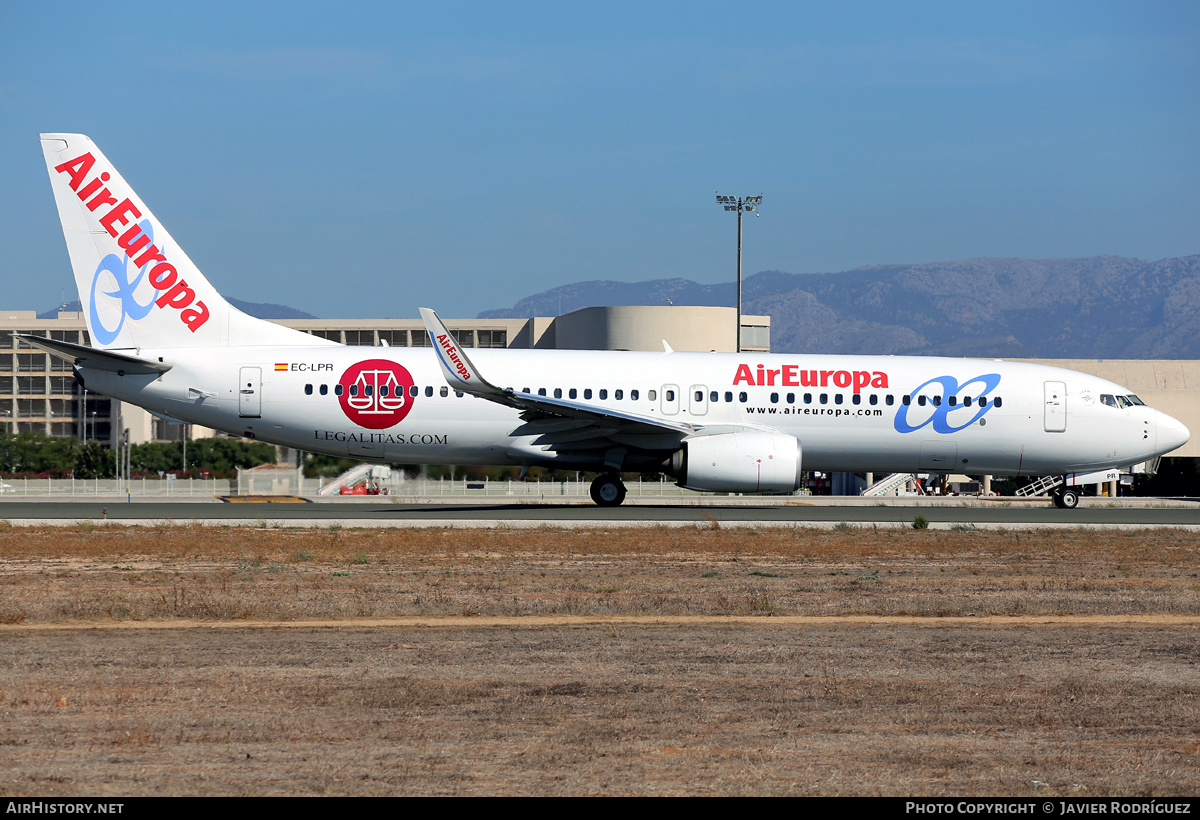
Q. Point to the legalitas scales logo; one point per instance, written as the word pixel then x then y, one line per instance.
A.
pixel 375 393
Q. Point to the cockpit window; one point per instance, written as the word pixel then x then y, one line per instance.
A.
pixel 1119 401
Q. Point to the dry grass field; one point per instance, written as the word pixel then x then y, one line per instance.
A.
pixel 202 660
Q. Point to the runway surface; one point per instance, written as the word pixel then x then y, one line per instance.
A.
pixel 467 514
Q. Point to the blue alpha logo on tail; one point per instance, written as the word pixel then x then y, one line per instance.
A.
pixel 129 306
pixel 939 407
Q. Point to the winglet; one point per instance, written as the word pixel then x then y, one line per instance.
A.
pixel 460 373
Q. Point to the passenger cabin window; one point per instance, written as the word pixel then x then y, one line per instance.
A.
pixel 618 394
pixel 774 398
pixel 587 392
pixel 324 390
pixel 837 398
pixel 670 395
pixel 573 394
pixel 413 391
pixel 603 394
pixel 633 395
pixel 728 396
pixel 429 391
pixel 308 389
pixel 652 395
pixel 558 392
pixel 998 402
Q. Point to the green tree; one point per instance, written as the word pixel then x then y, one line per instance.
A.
pixel 31 452
pixel 95 461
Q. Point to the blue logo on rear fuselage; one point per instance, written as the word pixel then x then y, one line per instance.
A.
pixel 939 412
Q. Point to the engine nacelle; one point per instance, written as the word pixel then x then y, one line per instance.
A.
pixel 749 461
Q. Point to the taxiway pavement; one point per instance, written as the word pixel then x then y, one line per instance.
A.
pixel 378 513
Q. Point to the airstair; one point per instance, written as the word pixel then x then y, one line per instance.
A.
pixel 889 484
pixel 361 472
pixel 1042 485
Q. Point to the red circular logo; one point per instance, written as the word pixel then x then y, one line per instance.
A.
pixel 376 394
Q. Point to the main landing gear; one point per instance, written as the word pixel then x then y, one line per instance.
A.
pixel 607 490
pixel 1066 498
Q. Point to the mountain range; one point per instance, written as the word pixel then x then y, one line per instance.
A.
pixel 1097 307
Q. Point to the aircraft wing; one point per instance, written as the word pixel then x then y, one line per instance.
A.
pixel 575 420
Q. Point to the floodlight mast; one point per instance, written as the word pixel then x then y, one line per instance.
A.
pixel 739 204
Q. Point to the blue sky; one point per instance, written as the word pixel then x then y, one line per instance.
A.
pixel 364 160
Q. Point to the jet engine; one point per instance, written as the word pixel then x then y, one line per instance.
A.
pixel 749 461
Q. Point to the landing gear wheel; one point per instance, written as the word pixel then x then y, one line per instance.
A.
pixel 1066 499
pixel 608 491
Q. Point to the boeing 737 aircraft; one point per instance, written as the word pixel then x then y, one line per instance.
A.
pixel 164 339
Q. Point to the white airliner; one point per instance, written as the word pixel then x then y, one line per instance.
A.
pixel 164 339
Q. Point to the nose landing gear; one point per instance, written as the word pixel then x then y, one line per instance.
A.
pixel 1066 498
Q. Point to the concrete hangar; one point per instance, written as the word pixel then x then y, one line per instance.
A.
pixel 38 392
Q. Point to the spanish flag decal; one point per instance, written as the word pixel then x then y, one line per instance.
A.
pixel 281 365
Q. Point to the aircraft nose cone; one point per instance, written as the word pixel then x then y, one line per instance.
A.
pixel 1171 433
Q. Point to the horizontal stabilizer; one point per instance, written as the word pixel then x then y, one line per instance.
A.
pixel 96 359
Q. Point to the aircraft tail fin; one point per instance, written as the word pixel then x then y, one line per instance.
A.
pixel 137 287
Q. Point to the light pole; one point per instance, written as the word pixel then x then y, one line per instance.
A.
pixel 739 204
